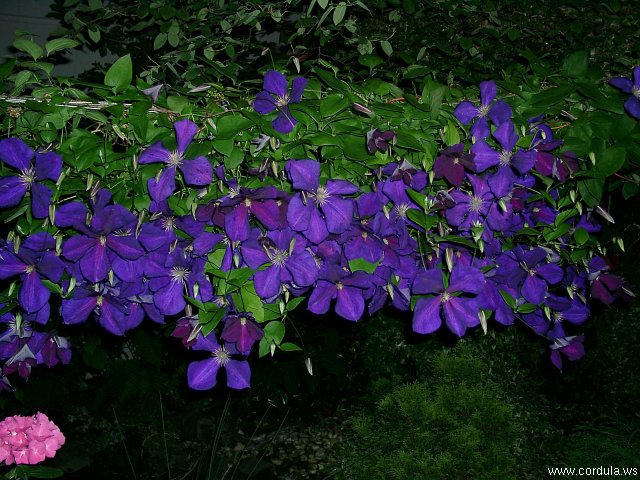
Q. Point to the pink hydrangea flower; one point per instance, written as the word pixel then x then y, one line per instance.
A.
pixel 28 440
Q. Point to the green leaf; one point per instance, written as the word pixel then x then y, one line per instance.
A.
pixel 120 74
pixel 27 46
pixel 338 13
pixel 611 161
pixel 526 308
pixel 160 40
pixel 591 191
pixel 249 301
pixel 370 60
pixel 576 64
pixel 323 4
pixel 451 135
pixel 360 264
pixel 290 347
pixel 58 44
pixel 332 104
pixel 508 299
pixel 407 140
pixel 94 34
pixel 551 96
pixel 229 125
pixel 581 236
pixel 274 331
pixel 386 47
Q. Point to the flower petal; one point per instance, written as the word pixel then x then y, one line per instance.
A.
pixel 12 191
pixel 156 153
pixel 297 88
pixel 284 122
pixel 16 153
pixel 33 294
pixel 164 187
pixel 40 200
pixel 350 303
pixel 185 131
pixel 48 166
pixel 264 103
pixel 426 316
pixel 201 375
pixel 276 83
pixel 197 172
pixel 238 374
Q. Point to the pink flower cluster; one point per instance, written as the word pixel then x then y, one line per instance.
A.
pixel 28 440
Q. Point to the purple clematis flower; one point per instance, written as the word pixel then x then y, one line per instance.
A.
pixel 378 140
pixel 499 112
pixel 34 167
pixel 318 210
pixel 197 172
pixel 36 260
pixel 570 347
pixel 632 105
pixel 202 374
pixel 347 288
pixel 287 258
pixel 540 273
pixel 509 162
pixel 452 163
pixel 456 302
pixel 604 286
pixel 241 330
pixel 108 303
pixel 107 237
pixel 275 97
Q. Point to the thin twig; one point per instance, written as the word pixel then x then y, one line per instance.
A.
pixel 164 437
pixel 126 451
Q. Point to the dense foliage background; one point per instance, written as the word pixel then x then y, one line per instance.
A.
pixel 123 402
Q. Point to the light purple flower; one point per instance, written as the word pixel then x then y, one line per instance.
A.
pixel 276 97
pixel 197 172
pixel 34 167
pixel 202 374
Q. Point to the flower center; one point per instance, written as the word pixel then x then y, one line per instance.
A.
pixel 558 317
pixel 456 161
pixel 505 158
pixel 28 177
pixel 282 101
pixel 168 223
pixel 247 202
pixel 29 269
pixel 103 240
pixel 243 321
pixel 636 91
pixel 179 274
pixel 339 286
pixel 401 210
pixel 175 158
pixel 321 196
pixel 222 355
pixel 475 203
pixel 483 110
pixel 279 257
pixel 445 297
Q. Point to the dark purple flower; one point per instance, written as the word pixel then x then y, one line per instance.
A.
pixel 499 112
pixel 632 105
pixel 241 330
pixel 456 302
pixel 197 172
pixel 570 347
pixel 451 164
pixel 202 374
pixel 33 167
pixel 276 97
pixel 378 140
pixel 187 329
pixel 604 286
pixel 52 350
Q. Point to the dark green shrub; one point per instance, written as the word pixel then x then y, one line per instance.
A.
pixel 455 427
